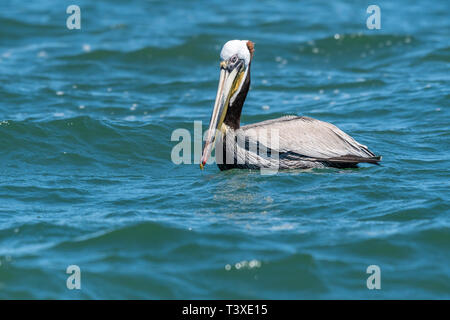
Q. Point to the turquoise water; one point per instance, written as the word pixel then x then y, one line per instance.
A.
pixel 86 118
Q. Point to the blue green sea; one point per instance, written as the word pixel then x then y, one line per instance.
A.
pixel 86 176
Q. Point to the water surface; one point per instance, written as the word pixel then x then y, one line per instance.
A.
pixel 86 118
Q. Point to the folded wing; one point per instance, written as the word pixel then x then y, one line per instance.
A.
pixel 306 138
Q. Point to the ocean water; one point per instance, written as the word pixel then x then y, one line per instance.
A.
pixel 86 177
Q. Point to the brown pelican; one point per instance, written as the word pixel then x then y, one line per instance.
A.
pixel 297 142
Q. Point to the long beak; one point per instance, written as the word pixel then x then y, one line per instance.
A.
pixel 224 92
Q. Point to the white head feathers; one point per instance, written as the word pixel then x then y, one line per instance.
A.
pixel 238 47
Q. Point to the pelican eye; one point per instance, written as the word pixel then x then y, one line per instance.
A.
pixel 235 62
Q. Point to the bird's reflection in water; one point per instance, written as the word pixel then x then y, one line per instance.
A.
pixel 237 188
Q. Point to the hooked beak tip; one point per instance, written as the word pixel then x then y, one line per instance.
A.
pixel 202 165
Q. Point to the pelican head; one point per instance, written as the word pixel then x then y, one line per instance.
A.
pixel 233 86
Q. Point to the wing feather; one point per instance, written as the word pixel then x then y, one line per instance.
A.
pixel 308 137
